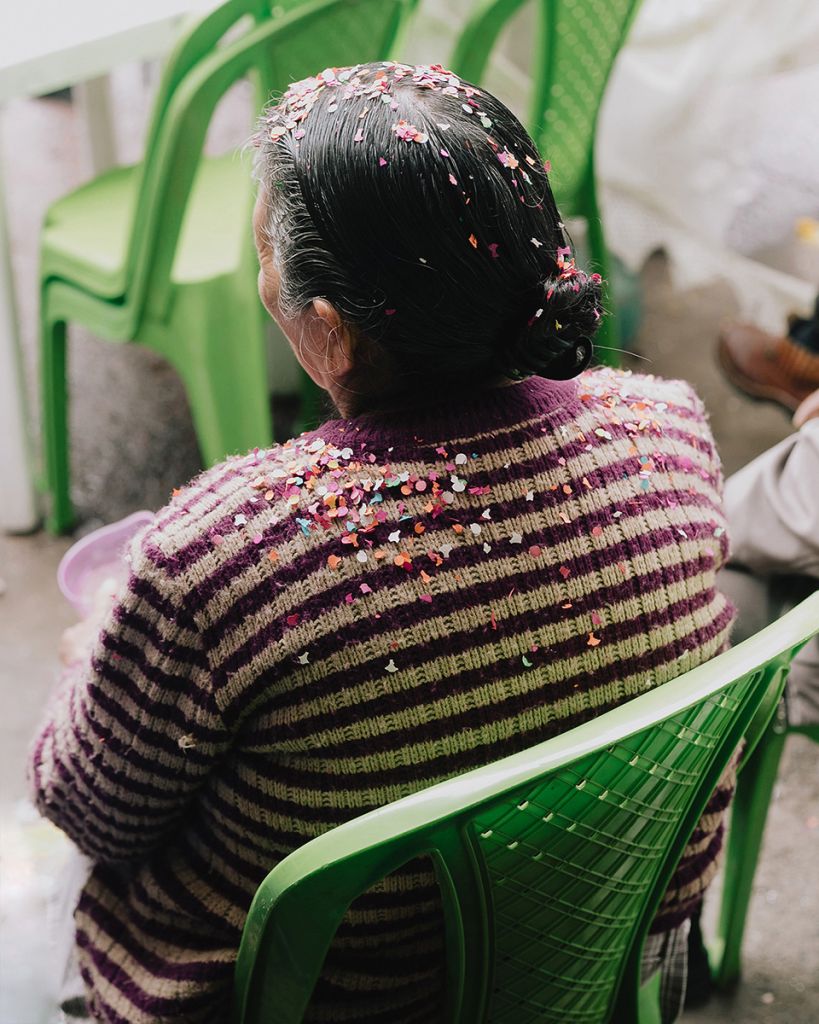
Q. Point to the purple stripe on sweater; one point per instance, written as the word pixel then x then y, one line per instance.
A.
pixel 314 559
pixel 152 703
pixel 186 557
pixel 525 580
pixel 173 683
pixel 152 1006
pixel 515 703
pixel 459 642
pixel 691 868
pixel 285 528
pixel 151 738
pixel 165 644
pixel 193 969
pixel 528 577
pixel 93 840
pixel 179 893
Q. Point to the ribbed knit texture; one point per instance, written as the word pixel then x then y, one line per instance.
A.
pixel 313 631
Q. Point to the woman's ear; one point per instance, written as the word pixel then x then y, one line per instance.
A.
pixel 332 344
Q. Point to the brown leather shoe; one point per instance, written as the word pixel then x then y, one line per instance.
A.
pixel 768 367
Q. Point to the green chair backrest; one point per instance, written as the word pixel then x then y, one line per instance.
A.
pixel 239 38
pixel 551 862
pixel 575 44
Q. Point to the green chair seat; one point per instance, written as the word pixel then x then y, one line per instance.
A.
pixel 86 235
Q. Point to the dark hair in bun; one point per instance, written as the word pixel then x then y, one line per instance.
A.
pixel 419 207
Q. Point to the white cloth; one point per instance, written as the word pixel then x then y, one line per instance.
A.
pixel 772 505
pixel 707 147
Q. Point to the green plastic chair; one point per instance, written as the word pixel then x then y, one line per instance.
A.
pixel 161 254
pixel 551 862
pixel 749 812
pixel 575 45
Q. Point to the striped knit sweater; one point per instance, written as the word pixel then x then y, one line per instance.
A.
pixel 312 631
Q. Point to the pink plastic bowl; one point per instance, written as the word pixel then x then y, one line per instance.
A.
pixel 96 557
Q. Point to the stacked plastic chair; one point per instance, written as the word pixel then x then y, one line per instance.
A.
pixel 749 813
pixel 574 48
pixel 551 863
pixel 161 254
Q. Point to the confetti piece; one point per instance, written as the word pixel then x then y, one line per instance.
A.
pixel 240 520
pixel 535 551
pixel 453 180
pixel 382 162
pixel 273 555
pixel 394 537
pixel 444 152
pixel 475 528
pixel 596 619
pixel 487 547
pixel 530 495
pixel 536 242
pixel 473 241
pixel 492 620
pixel 218 539
pixel 565 572
pixel 293 620
pixel 493 249
pixel 597 531
pixel 516 538
pixel 359 135
pixel 526 662
pixel 333 561
pixel 426 598
pixel 460 459
pixel 593 641
pixel 390 312
pixel 391 666
pixel 361 556
pixel 567 489
pixel 304 659
pixel 547 166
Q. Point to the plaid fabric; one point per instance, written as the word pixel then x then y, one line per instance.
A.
pixel 667 953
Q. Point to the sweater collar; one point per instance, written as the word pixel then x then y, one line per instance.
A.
pixel 462 416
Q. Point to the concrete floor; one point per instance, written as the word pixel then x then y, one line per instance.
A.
pixel 133 441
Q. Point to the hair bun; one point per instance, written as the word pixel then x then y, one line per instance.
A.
pixel 556 338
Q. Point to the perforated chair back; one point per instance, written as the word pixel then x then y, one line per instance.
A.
pixel 551 863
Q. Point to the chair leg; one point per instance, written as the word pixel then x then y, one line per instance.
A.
pixel 749 811
pixel 57 479
pixel 216 340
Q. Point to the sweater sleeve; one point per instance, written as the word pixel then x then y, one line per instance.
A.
pixel 132 734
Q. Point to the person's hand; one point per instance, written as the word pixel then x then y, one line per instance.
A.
pixel 808 410
pixel 78 641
